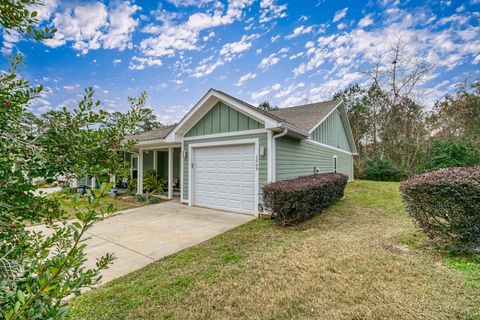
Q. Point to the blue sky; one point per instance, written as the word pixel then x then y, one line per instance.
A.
pixel 287 52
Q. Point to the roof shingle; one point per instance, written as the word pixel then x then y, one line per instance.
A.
pixel 307 116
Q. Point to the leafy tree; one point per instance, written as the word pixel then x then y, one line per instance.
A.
pixel 16 17
pixel 265 105
pixel 148 120
pixel 458 116
pixel 39 270
pixel 446 153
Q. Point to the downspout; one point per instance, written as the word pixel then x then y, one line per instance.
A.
pixel 274 153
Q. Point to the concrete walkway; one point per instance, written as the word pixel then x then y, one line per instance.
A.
pixel 142 235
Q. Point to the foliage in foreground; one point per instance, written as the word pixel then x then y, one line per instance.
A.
pixel 39 270
pixel 294 200
pixel 445 204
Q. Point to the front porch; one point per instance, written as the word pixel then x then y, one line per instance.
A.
pixel 165 161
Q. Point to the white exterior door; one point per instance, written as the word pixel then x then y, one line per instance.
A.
pixel 225 177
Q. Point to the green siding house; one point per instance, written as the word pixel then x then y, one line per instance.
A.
pixel 222 153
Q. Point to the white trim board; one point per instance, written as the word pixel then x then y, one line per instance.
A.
pixel 191 148
pixel 327 146
pixel 212 97
pixel 226 134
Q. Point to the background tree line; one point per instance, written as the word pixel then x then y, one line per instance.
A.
pixel 395 135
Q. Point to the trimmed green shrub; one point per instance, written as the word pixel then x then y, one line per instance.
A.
pixel 294 200
pixel 448 153
pixel 379 169
pixel 445 204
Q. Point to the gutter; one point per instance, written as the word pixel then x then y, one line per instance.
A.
pixel 274 154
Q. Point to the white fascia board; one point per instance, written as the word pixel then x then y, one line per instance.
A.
pixel 174 135
pixel 328 147
pixel 348 128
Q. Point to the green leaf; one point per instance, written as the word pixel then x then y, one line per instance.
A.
pixel 20 296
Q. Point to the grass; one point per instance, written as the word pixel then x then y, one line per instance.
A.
pixel 360 259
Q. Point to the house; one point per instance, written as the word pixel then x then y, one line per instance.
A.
pixel 225 150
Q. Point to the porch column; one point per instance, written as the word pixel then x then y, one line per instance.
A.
pixel 140 172
pixel 170 173
pixel 93 183
pixel 113 179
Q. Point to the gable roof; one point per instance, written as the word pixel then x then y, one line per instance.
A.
pixel 300 120
pixel 306 117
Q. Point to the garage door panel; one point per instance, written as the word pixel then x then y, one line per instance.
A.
pixel 224 177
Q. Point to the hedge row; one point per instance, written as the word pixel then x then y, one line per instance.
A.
pixel 291 201
pixel 445 204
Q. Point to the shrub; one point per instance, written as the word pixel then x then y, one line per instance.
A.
pixel 152 183
pixel 294 200
pixel 445 204
pixel 379 169
pixel 132 185
pixel 447 153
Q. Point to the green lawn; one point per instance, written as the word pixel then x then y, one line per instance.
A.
pixel 360 259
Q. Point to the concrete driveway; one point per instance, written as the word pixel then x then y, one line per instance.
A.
pixel 142 235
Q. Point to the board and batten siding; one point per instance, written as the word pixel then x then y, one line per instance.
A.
pixel 296 158
pixel 262 174
pixel 332 132
pixel 221 119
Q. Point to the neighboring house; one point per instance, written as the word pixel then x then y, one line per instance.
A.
pixel 222 153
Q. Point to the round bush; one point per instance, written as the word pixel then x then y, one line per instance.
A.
pixel 291 201
pixel 445 204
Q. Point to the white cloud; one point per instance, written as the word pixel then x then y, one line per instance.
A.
pixel 341 58
pixel 269 11
pixel 269 61
pixel 229 50
pixel 276 86
pixel 365 21
pixel 205 68
pixel 341 26
pixel 139 63
pixel 92 25
pixel 171 114
pixel 116 61
pixel 340 14
pixel 121 25
pixel 245 78
pixel 170 38
pixel 188 3
pixel 295 56
pixel 260 94
pixel 45 10
pixel 299 31
pixel 289 90
pixel 275 38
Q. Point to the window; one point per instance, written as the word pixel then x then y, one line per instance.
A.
pixel 335 164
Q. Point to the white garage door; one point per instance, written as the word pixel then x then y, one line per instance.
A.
pixel 224 177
